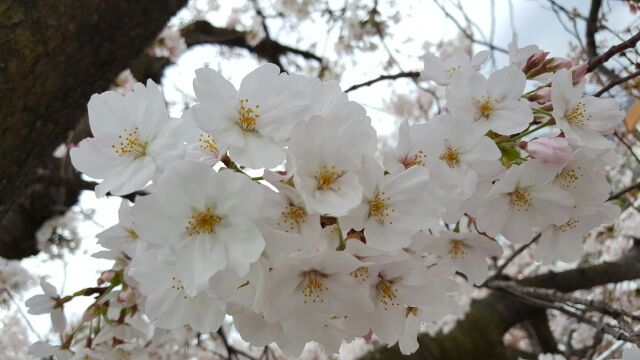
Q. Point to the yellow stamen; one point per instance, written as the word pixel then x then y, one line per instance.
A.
pixel 327 177
pixel 208 144
pixel 484 107
pixel 419 159
pixel 387 293
pixel 378 207
pixel 130 144
pixel 292 217
pixel 248 116
pixel 520 199
pixel 202 222
pixel 313 286
pixel 577 115
pixel 456 249
pixel 451 156
pixel 568 177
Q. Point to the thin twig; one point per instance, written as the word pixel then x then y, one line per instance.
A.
pixel 629 148
pixel 624 191
pixel 513 256
pixel 407 74
pixel 617 82
pixel 597 61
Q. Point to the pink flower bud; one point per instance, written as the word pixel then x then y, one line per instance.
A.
pixel 541 96
pixel 534 61
pixel 107 276
pixel 558 64
pixel 550 150
pixel 578 72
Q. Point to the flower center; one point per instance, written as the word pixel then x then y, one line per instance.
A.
pixel 577 115
pixel 130 144
pixel 416 159
pixel 208 144
pixel 520 199
pixel 177 286
pixel 451 156
pixel 456 249
pixel 313 286
pixel 133 235
pixel 248 116
pixel 202 222
pixel 387 292
pixel 361 273
pixel 568 177
pixel 378 208
pixel 452 70
pixel 327 177
pixel 484 107
pixel 292 217
pixel 571 224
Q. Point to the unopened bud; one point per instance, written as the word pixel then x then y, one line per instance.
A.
pixel 534 61
pixel 578 72
pixel 542 95
pixel 106 276
pixel 549 150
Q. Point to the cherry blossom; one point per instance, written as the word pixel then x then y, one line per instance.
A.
pixel 134 139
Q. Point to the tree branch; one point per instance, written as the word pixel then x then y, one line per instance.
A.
pixel 408 74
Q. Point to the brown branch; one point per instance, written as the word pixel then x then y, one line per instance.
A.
pixel 629 148
pixel 597 61
pixel 624 191
pixel 617 82
pixel 407 74
pixel 514 255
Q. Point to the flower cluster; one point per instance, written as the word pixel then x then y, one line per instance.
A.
pixel 330 244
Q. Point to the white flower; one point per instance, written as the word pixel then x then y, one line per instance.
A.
pixel 326 153
pixel 49 302
pixel 582 119
pixel 564 242
pixel 467 252
pixel 309 289
pixel 441 70
pixel 394 208
pixel 167 301
pixel 41 349
pixel 251 120
pixel 210 218
pixel 459 151
pixel 201 146
pixel 523 199
pixel 392 288
pixel 122 238
pixel 492 104
pixel 584 178
pixel 133 140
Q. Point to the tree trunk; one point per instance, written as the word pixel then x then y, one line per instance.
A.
pixel 53 56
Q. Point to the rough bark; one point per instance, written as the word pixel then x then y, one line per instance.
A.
pixel 479 335
pixel 53 56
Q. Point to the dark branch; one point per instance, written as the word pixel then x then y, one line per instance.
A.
pixel 408 74
pixel 617 82
pixel 597 61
